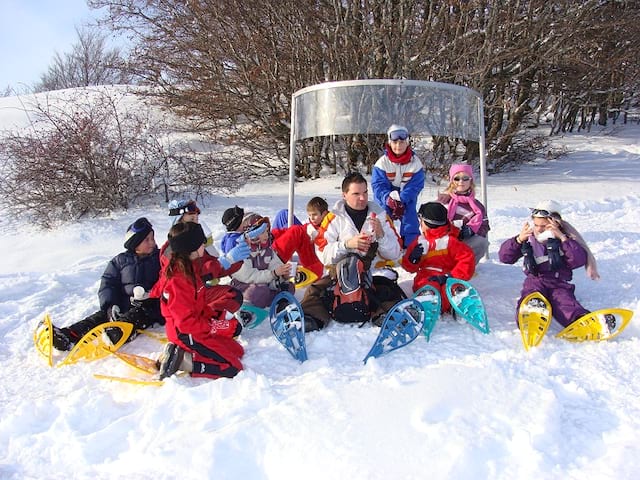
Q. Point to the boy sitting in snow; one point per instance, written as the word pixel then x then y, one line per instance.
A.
pixel 299 238
pixel 437 253
pixel 139 265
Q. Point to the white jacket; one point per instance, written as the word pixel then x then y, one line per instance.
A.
pixel 337 227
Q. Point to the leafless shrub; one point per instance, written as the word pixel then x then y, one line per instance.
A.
pixel 83 156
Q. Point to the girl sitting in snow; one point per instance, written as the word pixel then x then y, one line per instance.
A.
pixel 200 339
pixel 465 211
pixel 551 249
pixel 263 274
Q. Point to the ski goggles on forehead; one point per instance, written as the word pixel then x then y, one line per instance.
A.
pixel 253 231
pixel 140 225
pixel 541 213
pixel 190 207
pixel 399 135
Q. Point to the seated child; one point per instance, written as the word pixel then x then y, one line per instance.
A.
pixel 200 340
pixel 436 253
pixel 137 266
pixel 299 238
pixel 188 211
pixel 551 251
pixel 263 274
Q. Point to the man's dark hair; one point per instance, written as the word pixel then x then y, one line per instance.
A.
pixel 354 177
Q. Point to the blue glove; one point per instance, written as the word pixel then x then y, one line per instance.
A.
pixel 236 254
pixel 256 232
pixel 466 232
pixel 440 279
pixel 416 254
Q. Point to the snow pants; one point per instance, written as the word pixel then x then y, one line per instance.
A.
pixel 214 356
pixel 479 245
pixel 565 308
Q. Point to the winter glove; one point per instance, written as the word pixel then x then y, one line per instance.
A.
pixel 416 254
pixel 396 208
pixel 465 232
pixel 529 262
pixel 553 253
pixel 236 254
pixel 439 279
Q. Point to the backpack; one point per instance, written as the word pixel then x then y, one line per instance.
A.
pixel 351 293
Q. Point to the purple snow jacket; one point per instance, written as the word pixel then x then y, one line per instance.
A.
pixel 554 285
pixel 573 254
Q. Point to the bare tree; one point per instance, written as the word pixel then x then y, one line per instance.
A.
pixel 232 66
pixel 90 62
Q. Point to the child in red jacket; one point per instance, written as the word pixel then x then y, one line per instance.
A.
pixel 299 238
pixel 200 342
pixel 436 253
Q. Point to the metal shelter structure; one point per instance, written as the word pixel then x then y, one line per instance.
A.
pixel 371 106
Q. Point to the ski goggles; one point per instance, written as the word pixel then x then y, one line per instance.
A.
pixel 141 225
pixel 399 135
pixel 253 231
pixel 541 213
pixel 461 179
pixel 189 207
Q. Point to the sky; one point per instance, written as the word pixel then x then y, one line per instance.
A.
pixel 31 32
pixel 464 405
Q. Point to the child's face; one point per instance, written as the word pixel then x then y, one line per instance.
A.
pixel 147 246
pixel 316 216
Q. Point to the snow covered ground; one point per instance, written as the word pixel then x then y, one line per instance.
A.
pixel 462 406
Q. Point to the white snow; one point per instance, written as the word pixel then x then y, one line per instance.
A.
pixel 462 406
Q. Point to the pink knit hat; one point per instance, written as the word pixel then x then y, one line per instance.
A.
pixel 460 168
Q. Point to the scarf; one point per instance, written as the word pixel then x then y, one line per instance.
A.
pixel 475 222
pixel 590 267
pixel 399 159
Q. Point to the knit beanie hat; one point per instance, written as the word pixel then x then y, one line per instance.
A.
pixel 232 218
pixel 136 233
pixel 434 214
pixel 189 240
pixel 460 168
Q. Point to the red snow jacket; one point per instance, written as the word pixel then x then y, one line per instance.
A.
pixel 442 254
pixel 185 309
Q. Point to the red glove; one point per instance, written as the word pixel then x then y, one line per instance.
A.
pixel 396 207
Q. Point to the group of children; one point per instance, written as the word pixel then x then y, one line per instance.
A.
pixel 438 239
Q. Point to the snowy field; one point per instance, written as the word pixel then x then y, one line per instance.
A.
pixel 462 406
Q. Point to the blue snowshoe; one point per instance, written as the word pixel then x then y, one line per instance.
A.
pixel 429 297
pixel 401 326
pixel 466 303
pixel 287 323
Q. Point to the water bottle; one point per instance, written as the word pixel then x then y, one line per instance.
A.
pixel 369 227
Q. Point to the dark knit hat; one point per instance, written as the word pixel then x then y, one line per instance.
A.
pixel 434 214
pixel 232 218
pixel 189 240
pixel 136 233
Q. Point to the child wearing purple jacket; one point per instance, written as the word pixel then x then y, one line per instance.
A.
pixel 552 249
